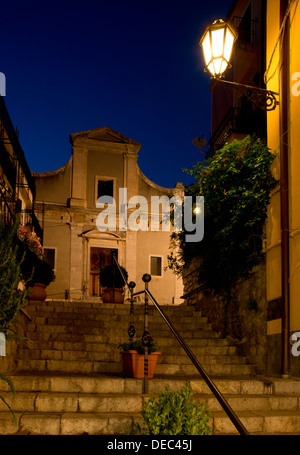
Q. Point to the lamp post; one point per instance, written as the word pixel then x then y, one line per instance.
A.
pixel 217 43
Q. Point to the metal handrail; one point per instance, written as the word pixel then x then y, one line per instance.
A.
pixel 227 408
pixel 122 274
pixel 218 395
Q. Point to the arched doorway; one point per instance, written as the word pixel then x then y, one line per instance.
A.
pixel 97 254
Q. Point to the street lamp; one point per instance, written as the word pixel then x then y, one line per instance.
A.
pixel 217 43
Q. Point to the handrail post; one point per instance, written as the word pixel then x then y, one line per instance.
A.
pixel 146 336
pixel 131 329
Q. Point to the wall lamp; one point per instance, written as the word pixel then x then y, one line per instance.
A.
pixel 217 43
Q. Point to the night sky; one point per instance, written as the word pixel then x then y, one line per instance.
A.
pixel 134 66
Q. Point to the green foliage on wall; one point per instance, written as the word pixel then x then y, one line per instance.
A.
pixel 236 184
pixel 12 299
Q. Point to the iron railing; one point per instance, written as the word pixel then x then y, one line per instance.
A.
pixel 146 341
pixel 237 120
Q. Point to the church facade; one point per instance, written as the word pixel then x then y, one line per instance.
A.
pixel 103 164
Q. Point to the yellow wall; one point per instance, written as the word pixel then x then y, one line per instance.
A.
pixel 295 172
pixel 273 225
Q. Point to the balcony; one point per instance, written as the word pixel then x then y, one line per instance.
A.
pixel 12 139
pixel 236 123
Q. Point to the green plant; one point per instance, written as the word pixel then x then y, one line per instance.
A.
pixel 12 299
pixel 36 270
pixel 110 276
pixel 43 273
pixel 137 345
pixel 236 184
pixel 174 413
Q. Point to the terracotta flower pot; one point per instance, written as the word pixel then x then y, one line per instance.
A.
pixel 133 364
pixel 37 292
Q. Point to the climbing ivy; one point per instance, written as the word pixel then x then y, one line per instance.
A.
pixel 236 184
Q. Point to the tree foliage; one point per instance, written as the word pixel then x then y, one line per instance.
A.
pixel 236 184
pixel 12 299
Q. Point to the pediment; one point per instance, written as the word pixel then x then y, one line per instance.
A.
pixel 104 134
pixel 95 234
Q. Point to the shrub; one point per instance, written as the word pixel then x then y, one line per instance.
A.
pixel 35 269
pixel 174 413
pixel 110 276
pixel 12 299
pixel 236 184
pixel 137 345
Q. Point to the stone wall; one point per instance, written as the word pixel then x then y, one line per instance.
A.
pixel 7 362
pixel 244 320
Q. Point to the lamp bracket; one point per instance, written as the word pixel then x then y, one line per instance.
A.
pixel 262 98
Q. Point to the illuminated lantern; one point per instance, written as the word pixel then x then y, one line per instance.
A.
pixel 217 43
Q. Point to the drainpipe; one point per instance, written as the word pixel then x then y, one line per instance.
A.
pixel 284 190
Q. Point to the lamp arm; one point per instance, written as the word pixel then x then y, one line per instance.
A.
pixel 262 98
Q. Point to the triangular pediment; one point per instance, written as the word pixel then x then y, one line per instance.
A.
pixel 104 134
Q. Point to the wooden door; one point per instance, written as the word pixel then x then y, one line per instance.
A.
pixel 99 257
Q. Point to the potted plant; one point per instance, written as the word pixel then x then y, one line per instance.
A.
pixel 113 283
pixel 133 358
pixel 37 275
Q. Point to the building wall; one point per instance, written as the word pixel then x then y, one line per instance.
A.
pixel 17 189
pixel 273 225
pixel 66 206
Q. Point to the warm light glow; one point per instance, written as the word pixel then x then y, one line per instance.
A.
pixel 217 43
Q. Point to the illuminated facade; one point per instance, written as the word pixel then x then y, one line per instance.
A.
pixel 103 161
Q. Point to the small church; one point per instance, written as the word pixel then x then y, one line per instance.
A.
pixel 103 162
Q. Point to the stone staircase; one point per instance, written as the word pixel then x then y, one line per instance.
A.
pixel 69 377
pixel 82 337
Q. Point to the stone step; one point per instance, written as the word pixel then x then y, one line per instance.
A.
pixel 98 347
pixel 110 309
pixel 116 339
pixel 80 423
pixel 53 311
pixel 95 383
pixel 65 405
pixel 87 367
pixel 114 356
pixel 211 369
pixel 101 324
pixel 81 329
pixel 59 402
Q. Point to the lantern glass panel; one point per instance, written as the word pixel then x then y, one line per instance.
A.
pixel 217 38
pixel 218 65
pixel 207 49
pixel 229 40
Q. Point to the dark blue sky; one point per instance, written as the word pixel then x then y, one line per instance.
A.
pixel 134 66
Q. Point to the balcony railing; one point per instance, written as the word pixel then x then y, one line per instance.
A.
pixel 12 139
pixel 238 120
